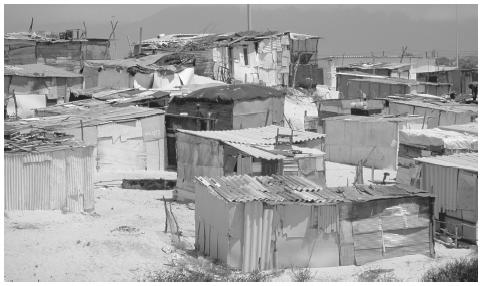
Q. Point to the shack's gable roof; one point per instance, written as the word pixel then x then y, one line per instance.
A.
pixel 230 93
pixel 278 189
pixel 38 70
pixel 463 161
pixel 255 136
pixel 374 118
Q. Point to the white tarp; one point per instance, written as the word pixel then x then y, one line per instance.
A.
pixel 437 137
pixel 326 93
pixel 26 103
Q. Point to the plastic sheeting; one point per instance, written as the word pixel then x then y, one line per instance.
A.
pixel 437 137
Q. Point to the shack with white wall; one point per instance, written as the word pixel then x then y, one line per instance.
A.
pixel 373 140
pixel 125 138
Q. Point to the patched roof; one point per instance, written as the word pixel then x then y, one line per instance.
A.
pixel 464 161
pixel 166 61
pixel 82 113
pixel 255 136
pixel 277 189
pixel 38 70
pixel 223 93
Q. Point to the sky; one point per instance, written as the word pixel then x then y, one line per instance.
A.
pixel 346 29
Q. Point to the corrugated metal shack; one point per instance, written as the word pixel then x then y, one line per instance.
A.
pixel 276 222
pixel 35 48
pixel 48 171
pixel 223 108
pixel 415 143
pixel 452 179
pixel 436 113
pixel 374 139
pixel 253 151
pixel 125 138
pixel 270 58
pixel 37 85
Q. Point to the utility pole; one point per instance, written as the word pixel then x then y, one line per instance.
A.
pixel 457 33
pixel 248 10
pixel 140 40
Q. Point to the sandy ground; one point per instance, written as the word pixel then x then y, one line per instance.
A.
pixel 51 246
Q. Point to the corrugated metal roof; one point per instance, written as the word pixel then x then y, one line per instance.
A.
pixel 388 80
pixel 255 136
pixel 288 189
pixel 256 152
pixel 470 128
pixel 37 70
pixel 464 161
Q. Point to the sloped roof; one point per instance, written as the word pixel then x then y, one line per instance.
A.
pixel 73 114
pixel 464 161
pixel 255 136
pixel 38 70
pixel 230 93
pixel 256 152
pixel 277 189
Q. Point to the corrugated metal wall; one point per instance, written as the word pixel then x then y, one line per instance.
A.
pixel 442 182
pixel 50 180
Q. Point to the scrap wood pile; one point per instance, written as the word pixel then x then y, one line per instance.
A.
pixel 37 141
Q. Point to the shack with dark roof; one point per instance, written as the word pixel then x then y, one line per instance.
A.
pixel 223 108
